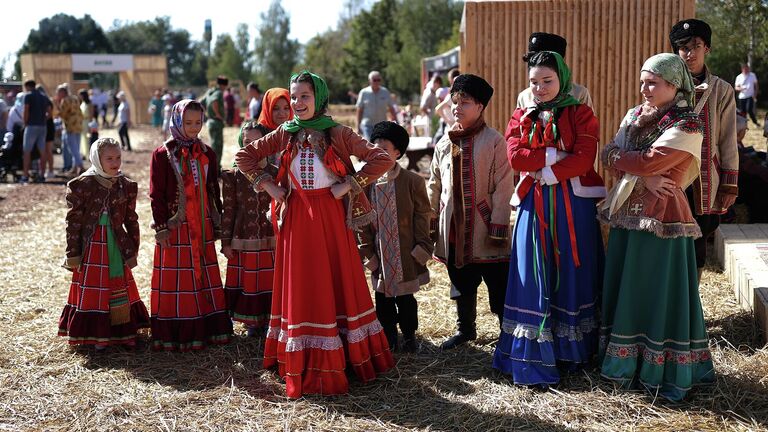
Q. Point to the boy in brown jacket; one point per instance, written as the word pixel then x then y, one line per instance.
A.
pixel 397 246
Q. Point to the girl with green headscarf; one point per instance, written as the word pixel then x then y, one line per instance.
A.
pixel 322 317
pixel 653 330
pixel 555 272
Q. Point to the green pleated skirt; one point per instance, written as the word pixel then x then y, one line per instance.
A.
pixel 653 332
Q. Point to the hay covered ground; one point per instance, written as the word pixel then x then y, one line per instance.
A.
pixel 46 385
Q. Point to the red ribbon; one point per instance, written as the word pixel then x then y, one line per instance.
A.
pixel 196 210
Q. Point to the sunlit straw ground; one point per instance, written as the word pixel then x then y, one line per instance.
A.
pixel 46 385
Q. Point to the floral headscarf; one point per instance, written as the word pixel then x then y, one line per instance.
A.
pixel 177 122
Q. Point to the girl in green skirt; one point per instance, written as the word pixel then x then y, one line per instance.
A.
pixel 653 331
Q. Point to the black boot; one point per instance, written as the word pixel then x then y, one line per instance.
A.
pixel 466 309
pixel 409 343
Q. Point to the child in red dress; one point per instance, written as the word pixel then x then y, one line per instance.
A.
pixel 188 306
pixel 103 307
pixel 322 315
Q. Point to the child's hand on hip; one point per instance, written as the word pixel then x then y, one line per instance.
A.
pixel 276 192
pixel 340 189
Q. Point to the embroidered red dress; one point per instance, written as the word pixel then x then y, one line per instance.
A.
pixel 323 319
pixel 187 303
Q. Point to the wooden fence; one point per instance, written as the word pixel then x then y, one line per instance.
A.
pixel 608 40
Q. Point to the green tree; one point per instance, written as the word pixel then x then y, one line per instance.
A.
pixel 196 75
pixel 321 56
pixel 227 60
pixel 421 27
pixel 365 48
pixel 394 36
pixel 64 33
pixel 156 37
pixel 276 55
pixel 731 48
pixel 242 44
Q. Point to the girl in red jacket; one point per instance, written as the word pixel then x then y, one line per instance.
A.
pixel 188 306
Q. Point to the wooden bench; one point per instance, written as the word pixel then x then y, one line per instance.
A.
pixel 742 251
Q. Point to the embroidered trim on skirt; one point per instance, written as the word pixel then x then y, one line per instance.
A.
pixel 187 315
pixel 550 323
pixel 653 333
pixel 86 318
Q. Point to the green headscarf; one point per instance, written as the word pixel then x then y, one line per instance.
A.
pixel 563 98
pixel 673 70
pixel 249 124
pixel 320 121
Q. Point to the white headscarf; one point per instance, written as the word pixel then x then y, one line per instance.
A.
pixel 96 168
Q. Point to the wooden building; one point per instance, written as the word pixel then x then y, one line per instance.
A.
pixel 608 40
pixel 140 75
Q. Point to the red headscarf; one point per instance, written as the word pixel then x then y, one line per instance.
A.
pixel 270 98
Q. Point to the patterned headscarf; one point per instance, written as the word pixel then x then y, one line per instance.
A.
pixel 673 70
pixel 270 99
pixel 96 168
pixel 320 121
pixel 177 122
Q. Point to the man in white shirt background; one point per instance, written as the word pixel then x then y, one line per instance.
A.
pixel 746 85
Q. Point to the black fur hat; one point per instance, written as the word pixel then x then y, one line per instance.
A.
pixel 393 132
pixel 474 86
pixel 684 30
pixel 539 41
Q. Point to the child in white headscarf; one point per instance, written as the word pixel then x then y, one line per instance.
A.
pixel 104 307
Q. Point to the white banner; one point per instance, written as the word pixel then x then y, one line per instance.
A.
pixel 102 62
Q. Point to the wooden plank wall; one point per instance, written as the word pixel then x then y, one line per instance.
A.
pixel 150 72
pixel 608 40
pixel 50 70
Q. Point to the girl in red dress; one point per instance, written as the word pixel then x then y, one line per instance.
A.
pixel 103 307
pixel 322 314
pixel 188 306
pixel 248 237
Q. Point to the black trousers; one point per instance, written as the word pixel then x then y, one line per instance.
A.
pixel 125 142
pixel 467 279
pixel 402 310
pixel 708 224
pixel 747 105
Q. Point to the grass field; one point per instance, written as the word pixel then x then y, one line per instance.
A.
pixel 46 385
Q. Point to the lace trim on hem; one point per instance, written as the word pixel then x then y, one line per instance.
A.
pixel 560 330
pixel 653 226
pixel 329 343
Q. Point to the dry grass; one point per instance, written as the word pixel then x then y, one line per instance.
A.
pixel 46 385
